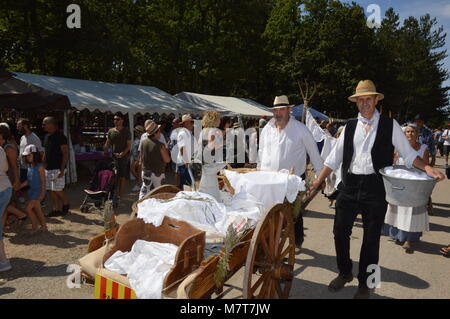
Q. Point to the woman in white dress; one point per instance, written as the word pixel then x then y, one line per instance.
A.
pixel 406 224
pixel 210 153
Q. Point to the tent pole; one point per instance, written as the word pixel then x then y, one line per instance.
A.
pixel 131 123
pixel 105 121
pixel 71 176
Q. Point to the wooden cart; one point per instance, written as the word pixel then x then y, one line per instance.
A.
pixel 267 252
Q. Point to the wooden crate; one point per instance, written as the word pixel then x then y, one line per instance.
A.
pixel 190 242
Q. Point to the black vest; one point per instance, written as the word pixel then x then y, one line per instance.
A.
pixel 382 151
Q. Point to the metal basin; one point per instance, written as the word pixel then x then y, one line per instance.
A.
pixel 407 192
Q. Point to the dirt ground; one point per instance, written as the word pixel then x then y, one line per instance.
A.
pixel 40 261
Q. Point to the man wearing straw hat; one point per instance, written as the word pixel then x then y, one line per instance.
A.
pixel 153 157
pixel 186 148
pixel 365 146
pixel 284 143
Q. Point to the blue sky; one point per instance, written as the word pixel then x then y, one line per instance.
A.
pixel 439 9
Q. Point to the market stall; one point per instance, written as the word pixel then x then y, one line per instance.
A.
pixel 89 101
pixel 226 105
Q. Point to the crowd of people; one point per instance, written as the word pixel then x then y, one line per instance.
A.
pixel 28 170
pixel 364 145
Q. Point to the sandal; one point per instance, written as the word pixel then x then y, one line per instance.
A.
pixel 43 230
pixel 22 220
pixel 445 251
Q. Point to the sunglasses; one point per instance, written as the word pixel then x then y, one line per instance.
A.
pixel 118 119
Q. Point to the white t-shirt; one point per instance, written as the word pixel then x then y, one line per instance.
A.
pixel 186 140
pixel 446 133
pixel 28 140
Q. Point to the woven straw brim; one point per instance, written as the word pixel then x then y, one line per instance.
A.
pixel 154 130
pixel 354 96
pixel 280 107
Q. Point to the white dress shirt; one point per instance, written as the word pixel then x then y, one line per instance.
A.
pixel 287 148
pixel 187 141
pixel 361 163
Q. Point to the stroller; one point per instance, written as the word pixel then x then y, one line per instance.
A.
pixel 101 187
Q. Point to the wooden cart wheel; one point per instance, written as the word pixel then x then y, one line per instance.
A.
pixel 271 256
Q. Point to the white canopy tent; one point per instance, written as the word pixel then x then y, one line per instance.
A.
pixel 108 97
pixel 226 104
pixel 112 97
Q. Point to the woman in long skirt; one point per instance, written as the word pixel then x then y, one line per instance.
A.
pixel 406 224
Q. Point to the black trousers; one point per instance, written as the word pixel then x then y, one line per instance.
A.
pixel 363 194
pixel 298 225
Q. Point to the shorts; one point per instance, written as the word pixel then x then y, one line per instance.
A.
pixel 53 182
pixel 34 193
pixel 446 150
pixel 150 181
pixel 122 166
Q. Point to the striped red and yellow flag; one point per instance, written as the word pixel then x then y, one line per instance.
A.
pixel 106 288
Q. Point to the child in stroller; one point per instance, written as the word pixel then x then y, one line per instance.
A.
pixel 101 187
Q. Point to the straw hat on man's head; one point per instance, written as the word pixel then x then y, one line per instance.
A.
pixel 280 102
pixel 365 87
pixel 151 127
pixel 186 118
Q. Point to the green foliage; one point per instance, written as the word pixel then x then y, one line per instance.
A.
pixel 252 48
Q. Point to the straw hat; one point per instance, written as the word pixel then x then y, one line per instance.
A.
pixel 365 87
pixel 139 129
pixel 281 101
pixel 186 118
pixel 151 127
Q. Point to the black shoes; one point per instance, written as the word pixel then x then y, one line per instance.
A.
pixel 339 282
pixel 299 233
pixel 65 209
pixel 56 213
pixel 362 293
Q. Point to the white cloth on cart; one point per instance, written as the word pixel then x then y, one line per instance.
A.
pixel 203 212
pixel 256 193
pixel 146 266
pixel 268 188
